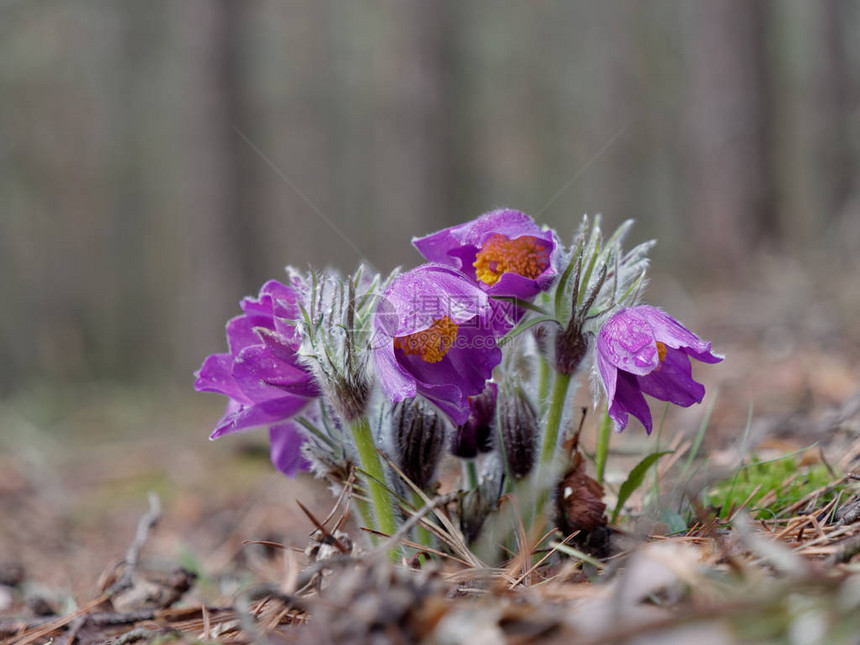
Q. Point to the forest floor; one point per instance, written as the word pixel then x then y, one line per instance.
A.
pixel 78 466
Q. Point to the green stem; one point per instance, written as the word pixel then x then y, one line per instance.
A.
pixel 602 446
pixel 470 474
pixel 549 450
pixel 371 464
pixel 424 536
pixel 553 420
pixel 367 516
pixel 544 377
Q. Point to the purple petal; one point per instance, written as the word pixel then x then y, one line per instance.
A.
pixel 240 334
pixel 508 222
pixel 436 246
pixel 627 341
pixel 428 293
pixel 673 334
pixel 215 375
pixel 231 409
pixel 286 448
pixel 706 356
pixel 504 221
pixel 262 376
pixel 468 364
pixel 260 414
pixel 397 384
pixel 609 376
pixel 450 399
pixel 258 311
pixel 475 434
pixel 281 347
pixel 516 286
pixel 629 400
pixel 673 381
pixel 285 308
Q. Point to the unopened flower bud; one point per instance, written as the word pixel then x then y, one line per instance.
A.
pixel 349 392
pixel 518 424
pixel 335 337
pixel 476 434
pixel 419 439
pixel 571 347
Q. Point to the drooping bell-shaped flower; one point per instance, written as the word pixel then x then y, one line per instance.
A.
pixel 261 374
pixel 503 251
pixel 434 336
pixel 642 350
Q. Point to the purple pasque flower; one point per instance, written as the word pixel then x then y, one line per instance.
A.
pixel 642 350
pixel 503 251
pixel 261 374
pixel 434 336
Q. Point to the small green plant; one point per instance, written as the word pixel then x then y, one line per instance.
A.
pixel 767 488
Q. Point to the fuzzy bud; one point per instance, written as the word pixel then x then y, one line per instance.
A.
pixel 350 392
pixel 571 347
pixel 335 333
pixel 419 439
pixel 518 425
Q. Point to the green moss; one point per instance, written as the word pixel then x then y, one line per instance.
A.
pixel 784 475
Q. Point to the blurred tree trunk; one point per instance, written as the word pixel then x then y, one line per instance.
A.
pixel 241 212
pixel 126 289
pixel 205 276
pixel 726 143
pixel 835 83
pixel 389 118
pixel 410 141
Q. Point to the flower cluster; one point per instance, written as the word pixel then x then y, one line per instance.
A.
pixel 473 351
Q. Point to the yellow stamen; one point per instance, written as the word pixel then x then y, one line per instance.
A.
pixel 525 256
pixel 661 351
pixel 430 344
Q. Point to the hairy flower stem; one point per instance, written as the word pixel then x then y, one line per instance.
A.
pixel 470 474
pixel 365 509
pixel 550 439
pixel 425 538
pixel 602 449
pixel 553 420
pixel 371 465
pixel 544 377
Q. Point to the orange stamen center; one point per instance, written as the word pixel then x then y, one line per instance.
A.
pixel 661 351
pixel 525 256
pixel 430 344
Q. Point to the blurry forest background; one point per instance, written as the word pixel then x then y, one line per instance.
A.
pixel 159 160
